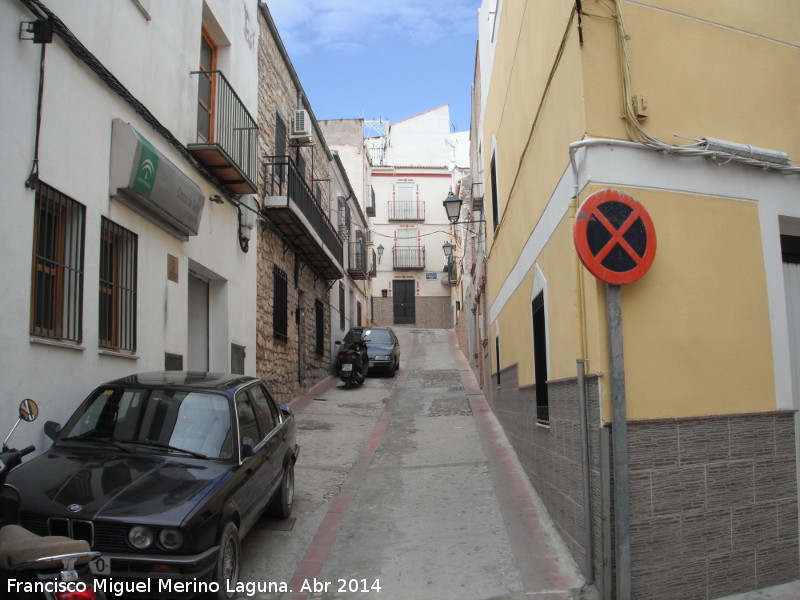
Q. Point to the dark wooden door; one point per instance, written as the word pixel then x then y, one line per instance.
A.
pixel 403 296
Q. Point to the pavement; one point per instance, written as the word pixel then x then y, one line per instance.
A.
pixel 407 489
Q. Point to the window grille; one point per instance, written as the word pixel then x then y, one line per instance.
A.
pixel 118 287
pixel 341 306
pixel 319 310
pixel 57 278
pixel 280 311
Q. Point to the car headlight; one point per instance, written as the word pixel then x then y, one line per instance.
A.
pixel 171 539
pixel 382 357
pixel 140 537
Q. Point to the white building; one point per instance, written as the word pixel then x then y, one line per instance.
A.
pixel 411 167
pixel 127 249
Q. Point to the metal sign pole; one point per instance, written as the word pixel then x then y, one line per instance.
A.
pixel 619 441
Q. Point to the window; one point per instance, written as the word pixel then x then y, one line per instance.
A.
pixel 57 278
pixel 341 306
pixel 540 359
pixel 358 313
pixel 261 405
pixel 319 313
pixel 205 92
pixel 497 356
pixel 246 416
pixel 117 307
pixel 495 208
pixel 280 312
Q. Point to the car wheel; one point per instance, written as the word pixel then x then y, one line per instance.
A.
pixel 282 504
pixel 226 573
pixel 393 369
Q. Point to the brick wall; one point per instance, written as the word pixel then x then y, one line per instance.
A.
pixel 713 500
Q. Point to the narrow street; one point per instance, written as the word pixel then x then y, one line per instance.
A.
pixel 407 489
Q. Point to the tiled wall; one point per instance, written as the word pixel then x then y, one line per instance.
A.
pixel 713 500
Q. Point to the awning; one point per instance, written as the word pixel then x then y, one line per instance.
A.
pixel 147 182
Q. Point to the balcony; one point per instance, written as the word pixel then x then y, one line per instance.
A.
pixel 294 211
pixel 357 266
pixel 408 258
pixel 452 273
pixel 228 134
pixel 405 210
pixel 371 205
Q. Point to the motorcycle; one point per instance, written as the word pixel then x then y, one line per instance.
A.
pixel 32 566
pixel 352 363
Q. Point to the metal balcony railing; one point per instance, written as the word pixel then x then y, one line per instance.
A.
pixel 230 147
pixel 287 198
pixel 405 210
pixel 373 268
pixel 408 258
pixel 371 202
pixel 357 260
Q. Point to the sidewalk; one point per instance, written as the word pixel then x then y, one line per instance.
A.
pixel 408 484
pixel 788 591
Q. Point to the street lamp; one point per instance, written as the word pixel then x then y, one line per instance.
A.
pixel 452 204
pixel 379 250
pixel 447 247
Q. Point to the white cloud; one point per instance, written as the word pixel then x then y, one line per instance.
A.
pixel 308 25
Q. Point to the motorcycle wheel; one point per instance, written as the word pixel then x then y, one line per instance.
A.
pixel 348 383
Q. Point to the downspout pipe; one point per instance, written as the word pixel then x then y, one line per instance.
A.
pixel 588 520
pixel 587 143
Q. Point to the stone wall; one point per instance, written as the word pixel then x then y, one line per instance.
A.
pixel 289 367
pixel 432 312
pixel 713 500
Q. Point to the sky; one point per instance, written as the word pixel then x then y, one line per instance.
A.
pixel 382 59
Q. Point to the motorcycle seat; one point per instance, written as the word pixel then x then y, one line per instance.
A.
pixel 21 549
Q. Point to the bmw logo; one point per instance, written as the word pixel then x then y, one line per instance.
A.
pixel 74 508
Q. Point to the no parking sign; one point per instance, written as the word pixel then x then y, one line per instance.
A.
pixel 615 237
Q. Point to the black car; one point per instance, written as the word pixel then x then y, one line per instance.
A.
pixel 383 347
pixel 164 473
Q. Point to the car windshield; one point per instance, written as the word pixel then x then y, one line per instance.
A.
pixel 354 335
pixel 195 422
pixel 377 336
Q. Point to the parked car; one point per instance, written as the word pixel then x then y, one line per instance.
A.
pixel 383 347
pixel 165 473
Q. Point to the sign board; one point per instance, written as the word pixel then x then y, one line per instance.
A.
pixel 430 275
pixel 615 237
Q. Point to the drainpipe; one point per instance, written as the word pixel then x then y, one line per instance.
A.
pixel 588 539
pixel 575 146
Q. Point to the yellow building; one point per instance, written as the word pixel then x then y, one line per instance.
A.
pixel 692 109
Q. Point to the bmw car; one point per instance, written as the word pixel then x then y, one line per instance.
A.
pixel 165 473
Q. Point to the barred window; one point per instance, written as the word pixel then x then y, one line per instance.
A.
pixel 341 306
pixel 280 314
pixel 118 287
pixel 319 310
pixel 57 278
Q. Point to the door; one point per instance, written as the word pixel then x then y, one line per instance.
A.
pixel 404 298
pixel 197 352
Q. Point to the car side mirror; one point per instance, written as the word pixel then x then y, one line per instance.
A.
pixel 287 412
pixel 247 447
pixel 52 429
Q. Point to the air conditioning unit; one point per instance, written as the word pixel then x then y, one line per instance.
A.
pixel 301 126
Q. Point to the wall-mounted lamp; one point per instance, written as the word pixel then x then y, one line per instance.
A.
pixel 379 250
pixel 447 247
pixel 217 199
pixel 247 208
pixel 452 205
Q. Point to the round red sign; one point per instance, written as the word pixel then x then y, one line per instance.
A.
pixel 615 237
